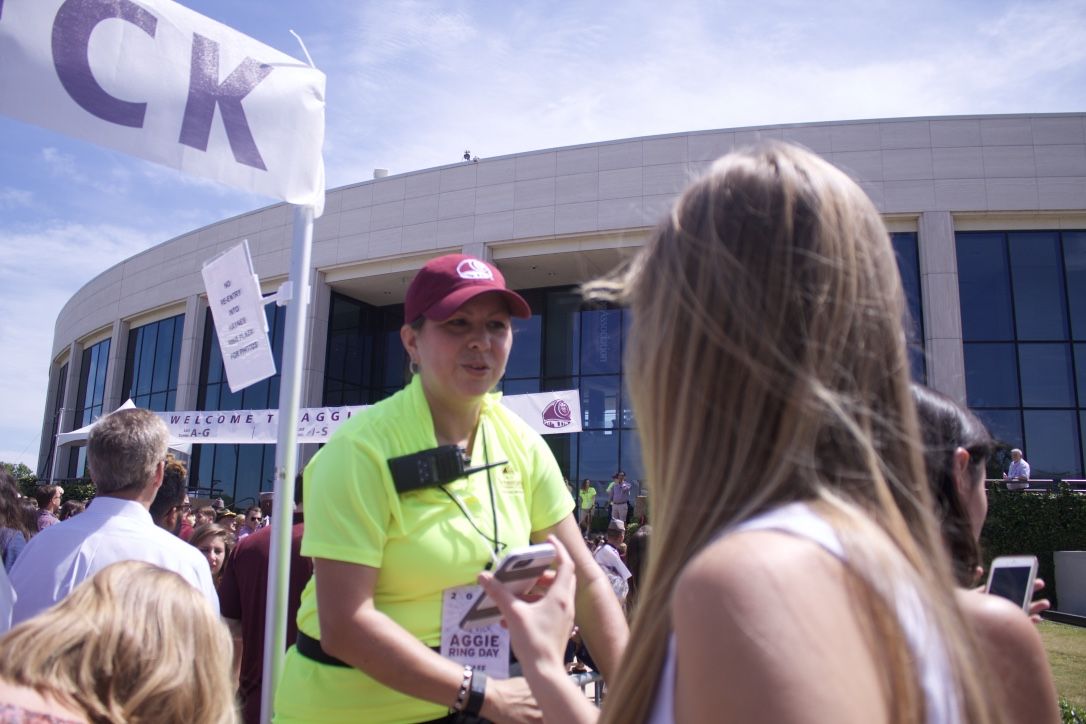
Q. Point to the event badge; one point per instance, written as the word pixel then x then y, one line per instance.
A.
pixel 486 648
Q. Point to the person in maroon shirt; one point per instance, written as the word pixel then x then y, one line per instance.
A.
pixel 243 601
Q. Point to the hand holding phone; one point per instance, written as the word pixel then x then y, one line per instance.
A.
pixel 518 572
pixel 1012 577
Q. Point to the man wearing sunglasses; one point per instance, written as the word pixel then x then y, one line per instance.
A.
pixel 253 516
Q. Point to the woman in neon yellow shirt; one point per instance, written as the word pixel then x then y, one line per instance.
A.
pixel 588 501
pixel 378 631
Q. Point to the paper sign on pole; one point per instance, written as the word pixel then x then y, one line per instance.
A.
pixel 237 308
pixel 156 80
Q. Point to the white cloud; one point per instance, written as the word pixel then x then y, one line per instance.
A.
pixel 14 198
pixel 39 270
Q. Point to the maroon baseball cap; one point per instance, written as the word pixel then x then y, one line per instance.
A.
pixel 446 283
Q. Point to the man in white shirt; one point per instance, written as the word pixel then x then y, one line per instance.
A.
pixel 125 454
pixel 610 560
pixel 1017 475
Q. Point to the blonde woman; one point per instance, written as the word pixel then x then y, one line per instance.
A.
pixel 134 643
pixel 801 578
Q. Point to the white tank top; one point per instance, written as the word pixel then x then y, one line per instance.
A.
pixel 923 640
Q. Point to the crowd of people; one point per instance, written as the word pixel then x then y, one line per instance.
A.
pixel 820 569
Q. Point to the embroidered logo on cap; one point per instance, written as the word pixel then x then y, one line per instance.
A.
pixel 557 414
pixel 473 269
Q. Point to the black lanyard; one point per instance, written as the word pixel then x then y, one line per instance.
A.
pixel 498 546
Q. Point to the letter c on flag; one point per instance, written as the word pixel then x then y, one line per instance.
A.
pixel 72 28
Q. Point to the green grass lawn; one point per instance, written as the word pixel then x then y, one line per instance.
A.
pixel 1066 647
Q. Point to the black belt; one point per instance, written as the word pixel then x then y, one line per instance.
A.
pixel 310 648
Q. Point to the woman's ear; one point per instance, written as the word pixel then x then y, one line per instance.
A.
pixel 408 335
pixel 963 485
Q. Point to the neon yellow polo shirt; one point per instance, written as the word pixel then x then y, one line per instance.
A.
pixel 421 541
pixel 588 498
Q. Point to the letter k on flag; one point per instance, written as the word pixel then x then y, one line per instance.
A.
pixel 156 80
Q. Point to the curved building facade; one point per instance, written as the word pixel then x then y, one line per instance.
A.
pixel 987 213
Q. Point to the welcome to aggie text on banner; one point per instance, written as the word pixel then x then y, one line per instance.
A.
pixel 146 77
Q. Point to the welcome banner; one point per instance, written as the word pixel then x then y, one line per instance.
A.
pixel 547 413
pixel 156 80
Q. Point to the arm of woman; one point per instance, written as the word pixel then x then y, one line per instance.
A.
pixel 599 614
pixel 1015 654
pixel 538 631
pixel 354 631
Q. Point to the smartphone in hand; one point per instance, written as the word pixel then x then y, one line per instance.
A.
pixel 518 572
pixel 1012 578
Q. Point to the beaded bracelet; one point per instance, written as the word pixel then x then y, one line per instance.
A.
pixel 462 693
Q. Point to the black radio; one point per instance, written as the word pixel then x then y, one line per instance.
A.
pixel 429 468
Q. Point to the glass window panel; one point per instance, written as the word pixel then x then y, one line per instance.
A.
pixel 225 467
pixel 526 355
pixel 395 359
pixel 601 340
pixel 520 387
pixel 164 357
pixel 204 460
pixel 251 472
pixel 146 367
pixel 178 332
pixel 157 402
pixel 1052 443
pixel 131 362
pixel 908 264
pixel 599 401
pixel 564 447
pixel 984 287
pixel 630 460
pixel 1080 373
pixel 599 455
pixel 1074 262
pixel 1040 308
pixel 101 367
pixel 562 338
pixel 627 419
pixel 1046 375
pixel 1005 426
pixel 212 362
pixel 991 375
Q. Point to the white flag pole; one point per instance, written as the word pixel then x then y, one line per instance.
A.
pixel 286 460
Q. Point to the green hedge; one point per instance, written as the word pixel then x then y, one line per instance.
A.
pixel 1034 523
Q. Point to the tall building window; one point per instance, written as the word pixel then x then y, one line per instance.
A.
pixel 1024 335
pixel 151 363
pixel 89 399
pixel 908 264
pixel 58 410
pixel 237 472
pixel 365 358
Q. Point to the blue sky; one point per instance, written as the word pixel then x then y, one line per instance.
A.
pixel 412 83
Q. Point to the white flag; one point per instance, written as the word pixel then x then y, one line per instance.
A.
pixel 154 79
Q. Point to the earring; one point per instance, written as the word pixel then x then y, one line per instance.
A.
pixel 414 367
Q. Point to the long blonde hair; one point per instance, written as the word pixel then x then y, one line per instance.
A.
pixel 768 342
pixel 134 643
